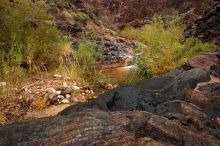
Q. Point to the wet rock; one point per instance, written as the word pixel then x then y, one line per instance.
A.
pixel 114 51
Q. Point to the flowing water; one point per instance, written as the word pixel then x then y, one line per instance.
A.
pixel 118 73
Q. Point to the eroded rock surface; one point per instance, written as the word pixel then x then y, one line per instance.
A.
pixel 208 27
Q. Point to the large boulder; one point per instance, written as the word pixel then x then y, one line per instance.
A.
pixel 100 128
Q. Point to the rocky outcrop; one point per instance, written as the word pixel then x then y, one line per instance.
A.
pixel 99 128
pixel 208 27
pixel 181 107
pixel 115 51
pixel 133 12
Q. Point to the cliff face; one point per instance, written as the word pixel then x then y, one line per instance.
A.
pixel 208 27
pixel 117 13
pixel 124 12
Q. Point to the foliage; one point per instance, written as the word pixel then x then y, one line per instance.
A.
pixel 164 45
pixel 40 103
pixel 3 119
pixel 28 36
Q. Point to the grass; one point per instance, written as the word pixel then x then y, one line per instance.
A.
pixel 40 103
pixel 3 119
pixel 164 46
pixel 29 37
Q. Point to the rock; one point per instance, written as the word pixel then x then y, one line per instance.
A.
pixel 208 27
pixel 3 84
pixel 51 90
pixel 57 76
pixel 65 85
pixel 68 96
pixel 58 92
pixel 109 86
pixel 65 101
pixel 51 96
pixel 79 99
pixel 60 97
pixel 94 127
pixel 76 88
pixel 204 61
pixel 87 91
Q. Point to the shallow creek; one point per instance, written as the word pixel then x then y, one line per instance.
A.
pixel 118 73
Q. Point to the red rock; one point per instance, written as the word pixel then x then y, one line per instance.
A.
pixel 203 61
pixel 79 99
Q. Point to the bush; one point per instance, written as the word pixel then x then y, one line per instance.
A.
pixel 164 45
pixel 28 36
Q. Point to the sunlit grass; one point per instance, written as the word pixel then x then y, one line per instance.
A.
pixel 166 48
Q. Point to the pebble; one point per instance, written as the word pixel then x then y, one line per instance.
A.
pixel 51 90
pixel 51 96
pixel 57 76
pixel 83 94
pixel 65 85
pixel 109 86
pixel 3 84
pixel 68 96
pixel 76 88
pixel 60 97
pixel 65 101
pixel 58 92
pixel 87 92
pixel 79 99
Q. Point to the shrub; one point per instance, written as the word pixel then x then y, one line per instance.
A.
pixel 28 36
pixel 40 103
pixel 165 47
pixel 3 119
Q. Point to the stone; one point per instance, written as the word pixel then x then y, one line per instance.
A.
pixel 208 27
pixel 95 127
pixel 76 88
pixel 68 96
pixel 58 92
pixel 60 97
pixel 65 85
pixel 3 84
pixel 65 101
pixel 79 99
pixel 51 90
pixel 57 76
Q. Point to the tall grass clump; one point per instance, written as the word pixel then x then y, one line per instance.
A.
pixel 164 46
pixel 28 37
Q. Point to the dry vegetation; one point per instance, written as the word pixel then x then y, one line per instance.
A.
pixel 165 47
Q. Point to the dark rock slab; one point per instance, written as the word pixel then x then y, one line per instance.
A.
pixel 100 128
